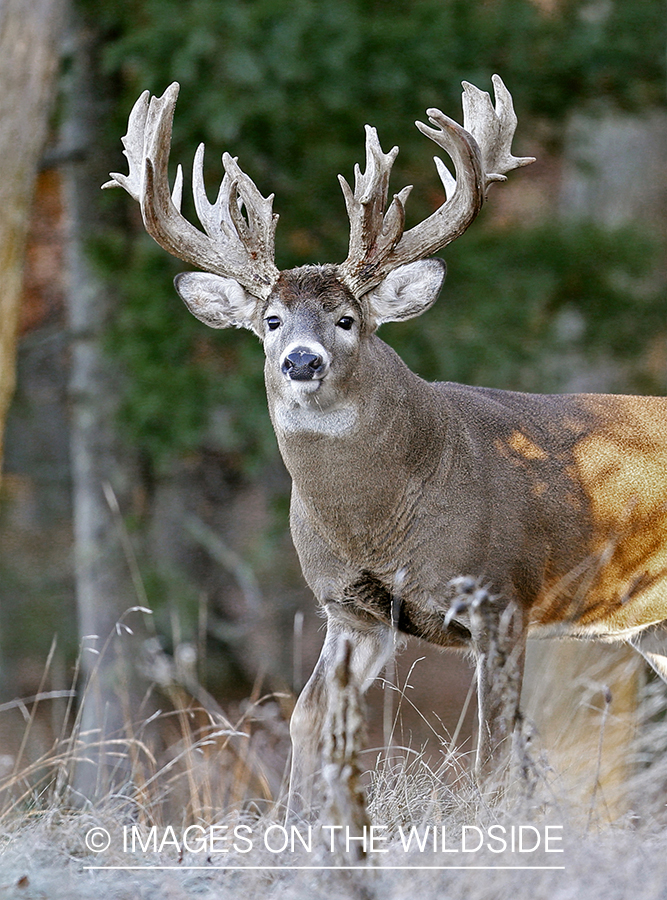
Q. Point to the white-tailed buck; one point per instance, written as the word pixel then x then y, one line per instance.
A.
pixel 557 505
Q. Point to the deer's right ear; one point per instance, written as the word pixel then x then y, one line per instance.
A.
pixel 216 301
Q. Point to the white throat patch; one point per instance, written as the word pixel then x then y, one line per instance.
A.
pixel 336 422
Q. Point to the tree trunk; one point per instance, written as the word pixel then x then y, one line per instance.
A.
pixel 30 40
pixel 101 468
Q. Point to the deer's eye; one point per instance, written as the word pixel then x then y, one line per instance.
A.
pixel 273 322
pixel 345 323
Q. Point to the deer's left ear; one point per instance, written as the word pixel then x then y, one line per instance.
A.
pixel 406 292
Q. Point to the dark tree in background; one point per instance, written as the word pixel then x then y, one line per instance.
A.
pixel 30 39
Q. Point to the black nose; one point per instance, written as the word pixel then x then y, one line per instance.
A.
pixel 302 365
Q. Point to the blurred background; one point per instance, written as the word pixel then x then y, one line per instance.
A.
pixel 140 468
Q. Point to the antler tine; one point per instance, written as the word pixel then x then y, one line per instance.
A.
pixel 133 142
pixel 493 129
pixel 465 193
pixel 223 216
pixel 481 153
pixel 229 246
pixel 373 233
pixel 261 226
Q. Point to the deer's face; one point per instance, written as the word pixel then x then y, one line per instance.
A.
pixel 316 334
pixel 313 330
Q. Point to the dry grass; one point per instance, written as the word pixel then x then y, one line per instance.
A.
pixel 227 773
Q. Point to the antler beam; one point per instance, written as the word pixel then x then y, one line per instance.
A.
pixel 481 153
pixel 229 245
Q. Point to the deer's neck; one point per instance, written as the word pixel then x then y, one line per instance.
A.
pixel 368 447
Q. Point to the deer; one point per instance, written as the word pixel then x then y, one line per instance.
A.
pixel 410 500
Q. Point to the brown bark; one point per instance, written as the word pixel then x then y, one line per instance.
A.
pixel 30 36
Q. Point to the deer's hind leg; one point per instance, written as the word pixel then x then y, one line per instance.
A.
pixel 500 654
pixel 498 641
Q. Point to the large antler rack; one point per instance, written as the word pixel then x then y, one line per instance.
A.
pixel 481 153
pixel 230 245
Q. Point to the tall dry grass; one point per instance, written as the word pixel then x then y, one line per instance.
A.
pixel 193 765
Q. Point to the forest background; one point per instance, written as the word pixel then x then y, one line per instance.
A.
pixel 140 467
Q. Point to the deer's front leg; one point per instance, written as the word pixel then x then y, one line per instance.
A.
pixel 371 648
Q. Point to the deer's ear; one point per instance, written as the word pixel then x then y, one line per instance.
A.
pixel 406 292
pixel 218 302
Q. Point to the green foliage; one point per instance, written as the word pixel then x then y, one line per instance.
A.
pixel 179 371
pixel 288 85
pixel 514 299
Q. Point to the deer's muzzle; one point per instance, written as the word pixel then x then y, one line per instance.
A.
pixel 301 364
